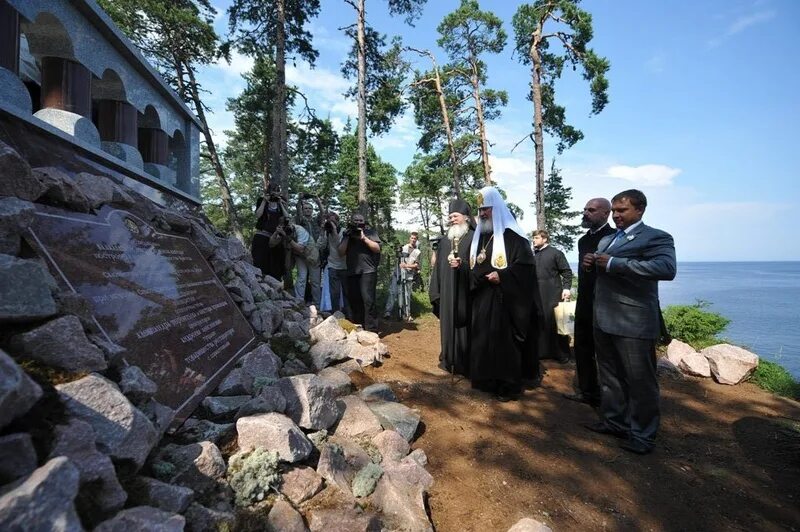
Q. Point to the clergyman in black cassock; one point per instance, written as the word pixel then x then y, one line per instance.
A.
pixel 449 291
pixel 554 278
pixel 595 218
pixel 501 281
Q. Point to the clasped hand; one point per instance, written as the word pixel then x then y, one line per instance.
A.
pixel 590 260
pixel 455 262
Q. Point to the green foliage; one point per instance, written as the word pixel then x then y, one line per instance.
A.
pixel 252 474
pixel 173 35
pixel 381 184
pixel 532 27
pixel 384 83
pixel 694 325
pixel 774 378
pixel 254 23
pixel 366 479
pixel 556 211
pixel 163 470
pixel 466 35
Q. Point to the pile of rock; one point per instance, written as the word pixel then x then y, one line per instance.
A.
pixel 728 364
pixel 82 441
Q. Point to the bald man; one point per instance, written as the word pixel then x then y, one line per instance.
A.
pixel 595 219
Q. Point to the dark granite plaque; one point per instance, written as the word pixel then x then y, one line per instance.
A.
pixel 152 293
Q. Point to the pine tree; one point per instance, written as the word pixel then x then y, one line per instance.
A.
pixel 557 213
pixel 572 31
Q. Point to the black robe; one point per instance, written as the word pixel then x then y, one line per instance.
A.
pixel 449 293
pixel 501 316
pixel 553 275
pixel 585 361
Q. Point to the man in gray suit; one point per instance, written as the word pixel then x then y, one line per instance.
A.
pixel 627 323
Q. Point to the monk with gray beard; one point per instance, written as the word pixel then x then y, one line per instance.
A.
pixel 449 290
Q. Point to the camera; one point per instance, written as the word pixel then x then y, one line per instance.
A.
pixel 434 242
pixel 307 195
pixel 353 231
pixel 328 226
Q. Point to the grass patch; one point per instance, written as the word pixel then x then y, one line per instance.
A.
pixel 774 378
pixel 42 373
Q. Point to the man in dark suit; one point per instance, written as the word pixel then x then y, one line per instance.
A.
pixel 629 265
pixel 554 278
pixel 595 218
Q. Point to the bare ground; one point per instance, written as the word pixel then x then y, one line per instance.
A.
pixel 727 457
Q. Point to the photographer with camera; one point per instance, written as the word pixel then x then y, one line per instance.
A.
pixel 361 246
pixel 267 249
pixel 308 264
pixel 403 276
pixel 337 264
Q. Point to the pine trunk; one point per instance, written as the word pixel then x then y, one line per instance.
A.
pixel 225 192
pixel 447 129
pixel 279 148
pixel 538 138
pixel 476 91
pixel 362 111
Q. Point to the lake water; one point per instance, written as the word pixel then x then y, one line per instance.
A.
pixel 762 300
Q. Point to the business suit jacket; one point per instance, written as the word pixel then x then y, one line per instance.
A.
pixel 626 297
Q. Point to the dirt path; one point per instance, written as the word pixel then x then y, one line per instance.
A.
pixel 725 459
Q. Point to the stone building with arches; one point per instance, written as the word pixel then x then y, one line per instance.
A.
pixel 76 94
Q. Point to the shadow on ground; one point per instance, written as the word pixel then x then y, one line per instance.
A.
pixel 727 458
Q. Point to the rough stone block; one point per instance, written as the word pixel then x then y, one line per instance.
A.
pixel 61 343
pixel 101 493
pixel 122 431
pixel 16 177
pixel 44 500
pixel 197 466
pixel 18 392
pixel 730 364
pixel 17 457
pixel 274 432
pixel 143 518
pixel 145 491
pixel 26 290
pixel 301 483
pixel 357 420
pixel 285 518
pixel 309 402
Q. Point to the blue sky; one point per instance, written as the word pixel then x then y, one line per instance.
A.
pixel 702 117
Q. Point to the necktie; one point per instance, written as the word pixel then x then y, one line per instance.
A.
pixel 617 236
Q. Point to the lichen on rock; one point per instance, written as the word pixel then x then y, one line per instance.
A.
pixel 252 474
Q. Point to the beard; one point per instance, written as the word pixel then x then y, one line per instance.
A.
pixel 457 231
pixel 486 226
pixel 586 223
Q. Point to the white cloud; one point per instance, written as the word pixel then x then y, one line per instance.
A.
pixel 742 23
pixel 646 175
pixel 238 65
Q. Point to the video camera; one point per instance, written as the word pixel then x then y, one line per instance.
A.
pixel 353 230
pixel 434 242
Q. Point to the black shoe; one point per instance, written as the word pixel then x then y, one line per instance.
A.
pixel 601 428
pixel 636 446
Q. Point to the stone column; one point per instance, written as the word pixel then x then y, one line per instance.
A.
pixel 67 98
pixel 154 147
pixel 66 85
pixel 9 37
pixel 13 94
pixel 117 124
